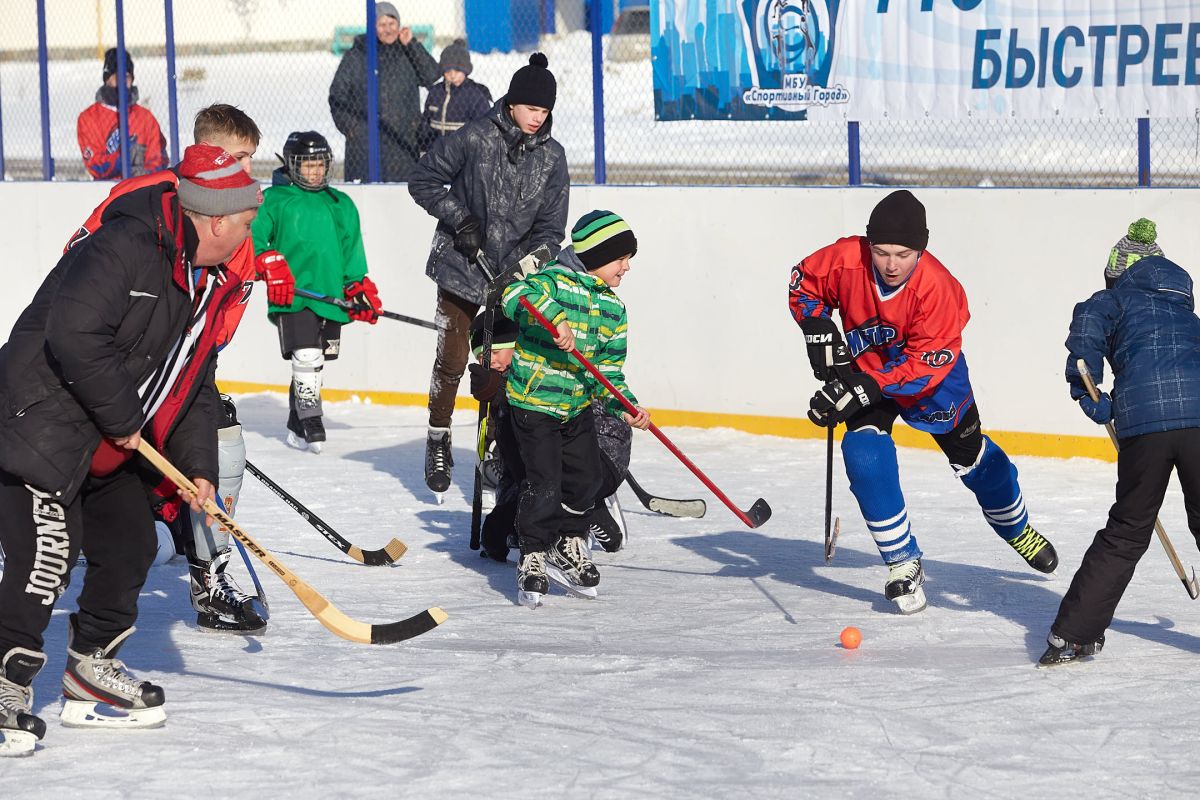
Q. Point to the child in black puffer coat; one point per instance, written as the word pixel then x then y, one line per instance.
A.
pixel 455 100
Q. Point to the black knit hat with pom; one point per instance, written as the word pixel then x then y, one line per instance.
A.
pixel 533 84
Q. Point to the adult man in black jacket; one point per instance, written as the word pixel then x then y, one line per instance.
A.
pixel 118 343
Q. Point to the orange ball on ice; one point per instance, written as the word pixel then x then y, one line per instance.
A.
pixel 851 638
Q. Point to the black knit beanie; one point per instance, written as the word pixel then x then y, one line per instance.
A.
pixel 899 219
pixel 600 237
pixel 110 63
pixel 533 84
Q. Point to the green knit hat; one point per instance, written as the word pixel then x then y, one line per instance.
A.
pixel 600 237
pixel 1135 245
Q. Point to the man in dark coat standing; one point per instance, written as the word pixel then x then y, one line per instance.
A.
pixel 118 344
pixel 404 66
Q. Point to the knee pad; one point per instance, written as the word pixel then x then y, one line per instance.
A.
pixel 993 480
pixel 874 473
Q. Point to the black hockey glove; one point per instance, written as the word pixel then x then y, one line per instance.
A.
pixel 485 382
pixel 827 353
pixel 468 238
pixel 841 399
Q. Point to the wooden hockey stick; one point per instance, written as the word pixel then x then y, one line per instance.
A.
pixel 1193 589
pixel 388 554
pixel 758 513
pixel 326 612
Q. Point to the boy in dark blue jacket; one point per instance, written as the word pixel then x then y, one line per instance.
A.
pixel 1146 326
pixel 455 100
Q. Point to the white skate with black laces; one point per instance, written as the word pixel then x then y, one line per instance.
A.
pixel 20 730
pixel 98 691
pixel 569 566
pixel 904 584
pixel 221 605
pixel 532 583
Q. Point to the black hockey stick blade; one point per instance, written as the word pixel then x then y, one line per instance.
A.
pixel 831 535
pixel 759 513
pixel 1192 588
pixel 386 555
pixel 415 625
pixel 694 509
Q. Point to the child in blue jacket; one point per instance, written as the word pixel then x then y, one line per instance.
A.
pixel 1145 325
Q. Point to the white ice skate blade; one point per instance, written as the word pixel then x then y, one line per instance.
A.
pixel 439 497
pixel 559 579
pixel 911 603
pixel 316 447
pixel 16 744
pixel 529 599
pixel 89 714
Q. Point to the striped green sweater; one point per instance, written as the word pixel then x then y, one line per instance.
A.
pixel 542 377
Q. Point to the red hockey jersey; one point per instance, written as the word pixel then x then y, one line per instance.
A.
pixel 99 134
pixel 909 339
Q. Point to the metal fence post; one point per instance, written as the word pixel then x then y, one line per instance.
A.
pixel 853 156
pixel 44 91
pixel 172 82
pixel 122 91
pixel 596 22
pixel 1143 145
pixel 373 161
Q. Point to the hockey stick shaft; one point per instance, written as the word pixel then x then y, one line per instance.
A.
pixel 759 513
pixel 326 612
pixel 1193 589
pixel 347 305
pixel 258 587
pixel 828 494
pixel 372 558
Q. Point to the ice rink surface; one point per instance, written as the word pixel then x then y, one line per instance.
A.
pixel 708 667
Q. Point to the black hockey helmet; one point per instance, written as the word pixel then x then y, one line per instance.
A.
pixel 304 146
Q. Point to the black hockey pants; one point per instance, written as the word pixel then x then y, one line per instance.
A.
pixel 111 520
pixel 562 476
pixel 1143 471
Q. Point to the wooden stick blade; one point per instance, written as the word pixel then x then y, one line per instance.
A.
pixel 386 555
pixel 1193 589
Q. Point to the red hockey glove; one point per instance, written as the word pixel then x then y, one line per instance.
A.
pixel 365 298
pixel 272 269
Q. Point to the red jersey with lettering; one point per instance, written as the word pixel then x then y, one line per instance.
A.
pixel 99 133
pixel 909 339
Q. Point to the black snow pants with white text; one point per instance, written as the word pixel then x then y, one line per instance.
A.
pixel 111 520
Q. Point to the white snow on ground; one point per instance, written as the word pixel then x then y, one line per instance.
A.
pixel 709 667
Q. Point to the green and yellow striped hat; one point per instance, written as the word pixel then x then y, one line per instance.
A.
pixel 600 237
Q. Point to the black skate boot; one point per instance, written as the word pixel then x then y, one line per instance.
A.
pixel 220 604
pixel 604 529
pixel 904 584
pixel 1060 651
pixel 532 584
pixel 1036 550
pixel 305 434
pixel 98 692
pixel 19 728
pixel 569 566
pixel 439 461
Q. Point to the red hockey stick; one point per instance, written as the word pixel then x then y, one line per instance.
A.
pixel 759 513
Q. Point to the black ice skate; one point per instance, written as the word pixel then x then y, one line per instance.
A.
pixel 19 728
pixel 220 604
pixel 532 584
pixel 98 692
pixel 1036 550
pixel 904 584
pixel 306 434
pixel 569 566
pixel 439 461
pixel 1059 651
pixel 604 529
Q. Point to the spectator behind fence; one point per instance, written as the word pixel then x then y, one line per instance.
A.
pixel 456 99
pixel 99 129
pixel 404 66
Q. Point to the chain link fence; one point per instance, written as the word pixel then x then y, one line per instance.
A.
pixel 276 59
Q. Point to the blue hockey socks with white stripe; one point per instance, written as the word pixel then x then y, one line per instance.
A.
pixel 993 479
pixel 871 466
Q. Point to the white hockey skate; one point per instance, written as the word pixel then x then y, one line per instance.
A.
pixel 98 692
pixel 904 584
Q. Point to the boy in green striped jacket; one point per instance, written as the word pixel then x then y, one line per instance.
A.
pixel 550 394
